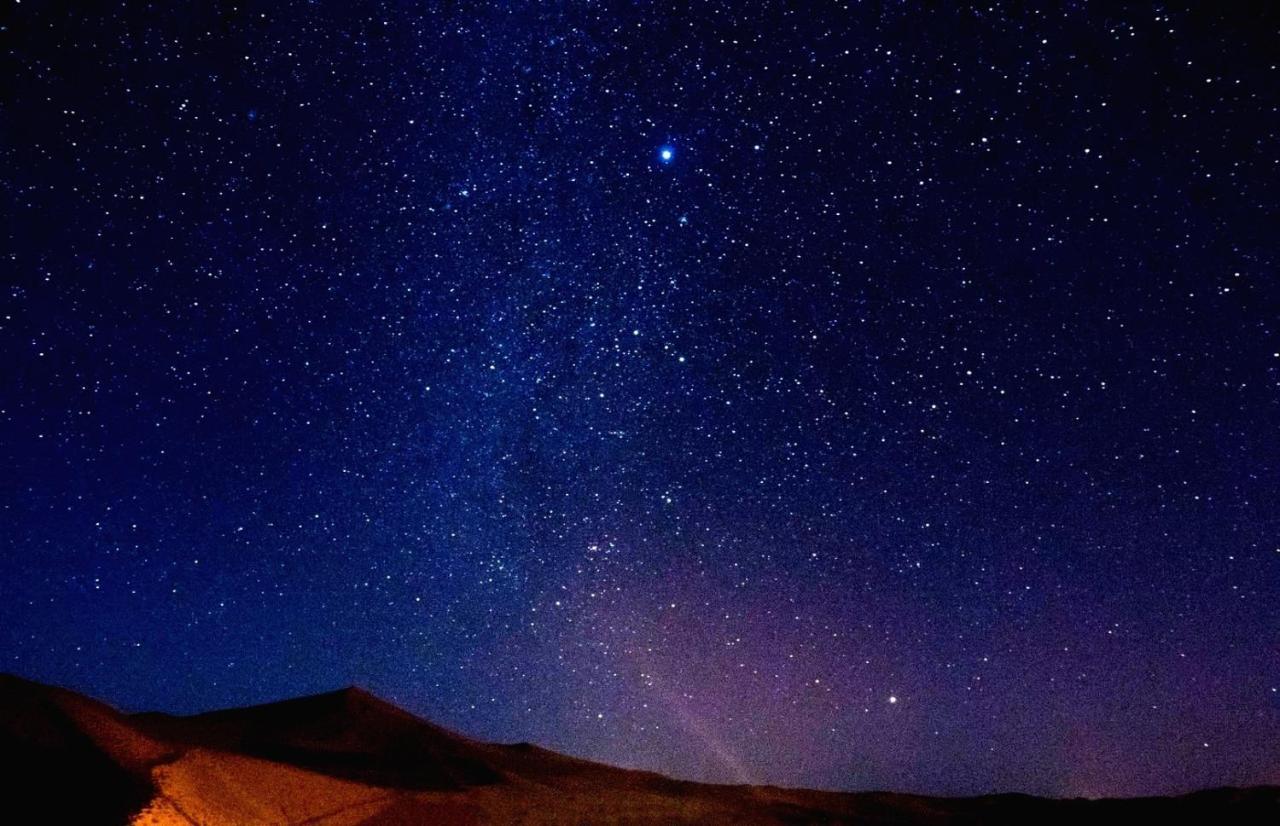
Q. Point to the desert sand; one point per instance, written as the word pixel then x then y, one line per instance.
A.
pixel 346 758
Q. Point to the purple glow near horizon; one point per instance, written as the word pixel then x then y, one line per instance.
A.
pixel 910 425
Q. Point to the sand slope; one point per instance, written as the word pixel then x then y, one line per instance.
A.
pixel 347 758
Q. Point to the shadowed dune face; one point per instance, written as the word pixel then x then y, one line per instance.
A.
pixel 51 744
pixel 347 758
pixel 348 734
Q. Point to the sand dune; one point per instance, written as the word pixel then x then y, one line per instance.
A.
pixel 347 758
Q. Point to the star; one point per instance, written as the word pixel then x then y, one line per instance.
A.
pixel 493 381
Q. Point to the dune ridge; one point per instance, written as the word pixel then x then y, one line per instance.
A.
pixel 348 758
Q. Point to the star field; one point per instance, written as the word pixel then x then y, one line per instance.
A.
pixel 822 395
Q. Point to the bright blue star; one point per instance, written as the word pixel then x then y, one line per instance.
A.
pixel 666 154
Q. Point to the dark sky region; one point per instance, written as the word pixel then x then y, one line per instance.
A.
pixel 856 396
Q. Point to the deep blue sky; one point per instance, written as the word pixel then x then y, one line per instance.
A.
pixel 912 426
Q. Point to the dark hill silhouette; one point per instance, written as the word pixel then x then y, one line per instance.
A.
pixel 51 739
pixel 347 758
pixel 349 733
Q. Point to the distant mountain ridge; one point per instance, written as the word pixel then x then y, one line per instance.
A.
pixel 348 758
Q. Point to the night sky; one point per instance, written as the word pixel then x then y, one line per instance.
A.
pixel 853 397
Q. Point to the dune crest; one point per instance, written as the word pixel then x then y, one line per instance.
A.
pixel 348 758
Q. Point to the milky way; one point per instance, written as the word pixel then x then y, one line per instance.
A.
pixel 845 397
